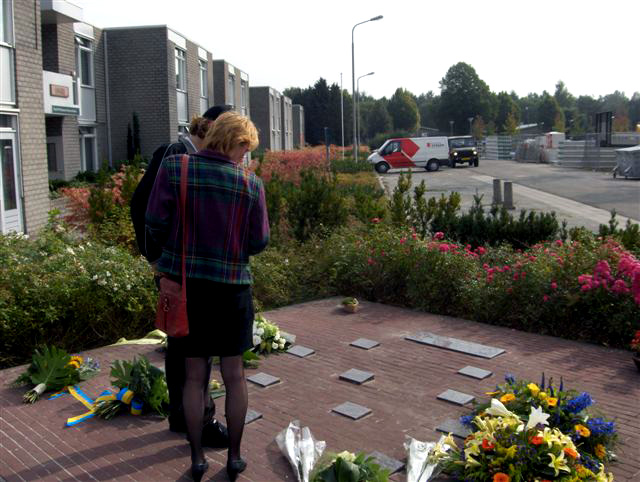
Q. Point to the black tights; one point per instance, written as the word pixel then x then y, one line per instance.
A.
pixel 195 395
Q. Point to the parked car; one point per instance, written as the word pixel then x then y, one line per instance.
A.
pixel 427 152
pixel 463 149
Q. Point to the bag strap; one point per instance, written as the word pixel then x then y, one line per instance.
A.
pixel 184 174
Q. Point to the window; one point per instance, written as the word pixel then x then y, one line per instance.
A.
pixel 7 64
pixel 84 61
pixel 204 89
pixel 181 70
pixel 52 157
pixel 232 90
pixel 88 149
pixel 243 98
pixel 10 218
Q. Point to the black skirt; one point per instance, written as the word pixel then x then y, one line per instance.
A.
pixel 220 320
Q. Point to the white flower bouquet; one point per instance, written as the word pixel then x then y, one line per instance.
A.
pixel 267 337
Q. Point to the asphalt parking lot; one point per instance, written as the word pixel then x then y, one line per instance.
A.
pixel 581 197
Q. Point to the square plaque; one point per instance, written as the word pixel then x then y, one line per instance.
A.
pixel 474 372
pixel 252 416
pixel 386 462
pixel 351 410
pixel 364 343
pixel 458 398
pixel 300 351
pixel 454 427
pixel 356 376
pixel 263 379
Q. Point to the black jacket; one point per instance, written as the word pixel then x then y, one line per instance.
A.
pixel 140 198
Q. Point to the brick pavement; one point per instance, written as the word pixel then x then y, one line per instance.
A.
pixel 35 445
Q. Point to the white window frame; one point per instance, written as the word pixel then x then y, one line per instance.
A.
pixel 7 43
pixel 12 133
pixel 244 88
pixel 181 69
pixel 204 79
pixel 85 45
pixel 231 85
pixel 83 153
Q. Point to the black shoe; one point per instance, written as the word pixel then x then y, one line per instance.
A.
pixel 234 467
pixel 198 470
pixel 215 435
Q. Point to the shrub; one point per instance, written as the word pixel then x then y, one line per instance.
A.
pixel 629 236
pixel 80 293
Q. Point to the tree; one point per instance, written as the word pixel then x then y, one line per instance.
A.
pixel 634 111
pixel 462 95
pixel 379 119
pixel 547 111
pixel 506 107
pixel 563 97
pixel 558 122
pixel 478 127
pixel 403 110
pixel 510 125
pixel 428 105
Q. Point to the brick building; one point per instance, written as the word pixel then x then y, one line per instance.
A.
pixel 231 87
pixel 266 113
pixel 165 81
pixel 298 126
pixel 287 124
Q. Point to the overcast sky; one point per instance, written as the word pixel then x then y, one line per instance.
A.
pixel 521 45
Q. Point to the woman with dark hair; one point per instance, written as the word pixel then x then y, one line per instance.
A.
pixel 226 219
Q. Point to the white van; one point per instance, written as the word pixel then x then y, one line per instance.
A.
pixel 427 152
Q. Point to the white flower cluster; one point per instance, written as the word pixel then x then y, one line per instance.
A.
pixel 265 334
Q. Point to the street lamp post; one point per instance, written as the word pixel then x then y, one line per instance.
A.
pixel 358 105
pixel 342 114
pixel 450 128
pixel 353 81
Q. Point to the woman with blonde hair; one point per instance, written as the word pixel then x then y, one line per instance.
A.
pixel 226 219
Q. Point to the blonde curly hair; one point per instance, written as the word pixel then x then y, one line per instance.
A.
pixel 231 130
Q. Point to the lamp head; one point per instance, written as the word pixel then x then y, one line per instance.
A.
pixel 375 18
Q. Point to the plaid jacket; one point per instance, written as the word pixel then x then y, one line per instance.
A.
pixel 226 213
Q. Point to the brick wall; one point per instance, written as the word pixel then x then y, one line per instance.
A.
pixel 261 115
pixel 141 78
pixel 193 79
pixel 31 119
pixel 220 73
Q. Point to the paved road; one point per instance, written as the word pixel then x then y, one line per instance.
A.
pixel 583 198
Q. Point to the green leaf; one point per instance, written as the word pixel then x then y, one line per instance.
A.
pixel 346 471
pixel 50 366
pixel 121 373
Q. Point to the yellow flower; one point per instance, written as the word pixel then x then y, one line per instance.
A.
pixel 75 361
pixel 601 452
pixel 584 472
pixel 582 430
pixel 507 397
pixel 534 389
pixel 552 402
pixel 492 393
pixel 511 452
pixel 542 395
pixel 558 463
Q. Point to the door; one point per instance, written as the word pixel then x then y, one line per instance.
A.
pixel 395 154
pixel 10 198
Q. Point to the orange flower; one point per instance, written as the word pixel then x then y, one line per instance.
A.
pixel 600 451
pixel 582 430
pixel 571 453
pixel 501 477
pixel 536 440
pixel 552 402
pixel 507 397
pixel 486 445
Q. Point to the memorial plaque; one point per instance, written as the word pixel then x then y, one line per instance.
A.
pixel 458 398
pixel 300 351
pixel 474 372
pixel 263 379
pixel 386 462
pixel 356 376
pixel 252 416
pixel 351 410
pixel 364 343
pixel 454 427
pixel 454 344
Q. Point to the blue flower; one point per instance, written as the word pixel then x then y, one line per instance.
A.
pixel 466 420
pixel 579 403
pixel 599 426
pixel 589 462
pixel 510 379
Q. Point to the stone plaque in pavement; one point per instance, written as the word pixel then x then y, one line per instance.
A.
pixel 454 427
pixel 300 351
pixel 351 410
pixel 356 376
pixel 458 398
pixel 475 372
pixel 454 344
pixel 263 379
pixel 252 416
pixel 364 343
pixel 386 462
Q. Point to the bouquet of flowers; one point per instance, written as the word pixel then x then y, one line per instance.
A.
pixel 143 388
pixel 53 369
pixel 350 304
pixel 425 460
pixel 504 447
pixel 594 436
pixel 349 467
pixel 301 449
pixel 267 337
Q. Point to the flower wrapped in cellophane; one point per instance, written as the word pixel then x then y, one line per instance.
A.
pixel 53 369
pixel 301 449
pixel 569 411
pixel 143 388
pixel 425 459
pixel 349 467
pixel 267 337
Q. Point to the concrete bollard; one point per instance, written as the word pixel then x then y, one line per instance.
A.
pixel 508 195
pixel 497 191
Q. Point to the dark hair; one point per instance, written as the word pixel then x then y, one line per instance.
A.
pixel 212 113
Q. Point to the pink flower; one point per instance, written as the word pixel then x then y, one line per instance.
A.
pixel 375 220
pixel 481 250
pixel 515 276
pixel 585 287
pixel 439 235
pixel 414 235
pixel 371 261
pixel 382 252
pixel 545 298
pixel 509 290
pixel 485 266
pixel 554 285
pixel 444 247
pixel 403 240
pixel 558 242
pixel 506 268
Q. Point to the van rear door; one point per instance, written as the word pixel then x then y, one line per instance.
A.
pixel 399 153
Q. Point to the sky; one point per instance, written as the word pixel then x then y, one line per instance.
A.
pixel 520 45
